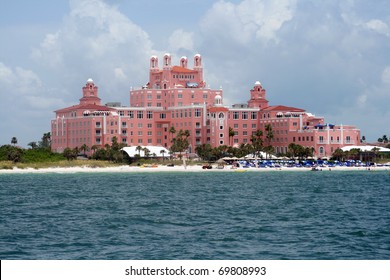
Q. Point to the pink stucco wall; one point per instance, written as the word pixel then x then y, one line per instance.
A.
pixel 178 96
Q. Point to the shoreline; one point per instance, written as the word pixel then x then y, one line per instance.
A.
pixel 177 168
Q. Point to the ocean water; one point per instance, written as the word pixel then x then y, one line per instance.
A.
pixel 206 215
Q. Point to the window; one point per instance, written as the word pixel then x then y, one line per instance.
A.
pixel 163 115
pixel 124 124
pixel 140 114
pixel 150 125
pixel 244 125
pixel 149 115
pixel 253 115
pixel 235 115
pixel 235 125
pixel 221 135
pixel 131 114
pixel 198 113
pixel 140 125
pixel 321 150
pixel 321 138
pixel 254 126
pixel 180 95
pixel 244 115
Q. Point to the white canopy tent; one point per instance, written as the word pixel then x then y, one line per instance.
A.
pixel 153 150
pixel 261 156
pixel 366 148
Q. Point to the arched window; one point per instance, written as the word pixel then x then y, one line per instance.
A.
pixel 321 150
pixel 221 115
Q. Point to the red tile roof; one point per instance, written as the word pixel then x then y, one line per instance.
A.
pixel 93 107
pixel 282 108
pixel 180 69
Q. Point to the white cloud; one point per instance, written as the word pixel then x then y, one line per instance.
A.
pixel 378 26
pixel 5 73
pixel 328 57
pixel 249 20
pixel 19 81
pixel 386 75
pixel 181 40
pixel 50 51
pixel 120 74
pixel 95 40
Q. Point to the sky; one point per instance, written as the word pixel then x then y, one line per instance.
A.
pixel 331 58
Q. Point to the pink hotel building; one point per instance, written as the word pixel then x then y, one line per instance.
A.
pixel 177 96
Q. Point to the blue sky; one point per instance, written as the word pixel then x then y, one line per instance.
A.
pixel 330 58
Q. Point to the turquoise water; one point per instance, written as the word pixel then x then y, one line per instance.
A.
pixel 205 215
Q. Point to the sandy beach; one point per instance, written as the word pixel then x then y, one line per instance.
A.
pixel 180 168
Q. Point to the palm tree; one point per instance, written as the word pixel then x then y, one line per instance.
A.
pixel 84 148
pixel 139 149
pixel 14 141
pixel 94 148
pixel 146 152
pixel 231 135
pixel 338 154
pixel 269 136
pixel 172 130
pixel 257 141
pixel 46 140
pixel 180 143
pixel 375 150
pixel 33 145
pixel 162 152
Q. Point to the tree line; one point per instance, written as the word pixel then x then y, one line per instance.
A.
pixel 259 142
